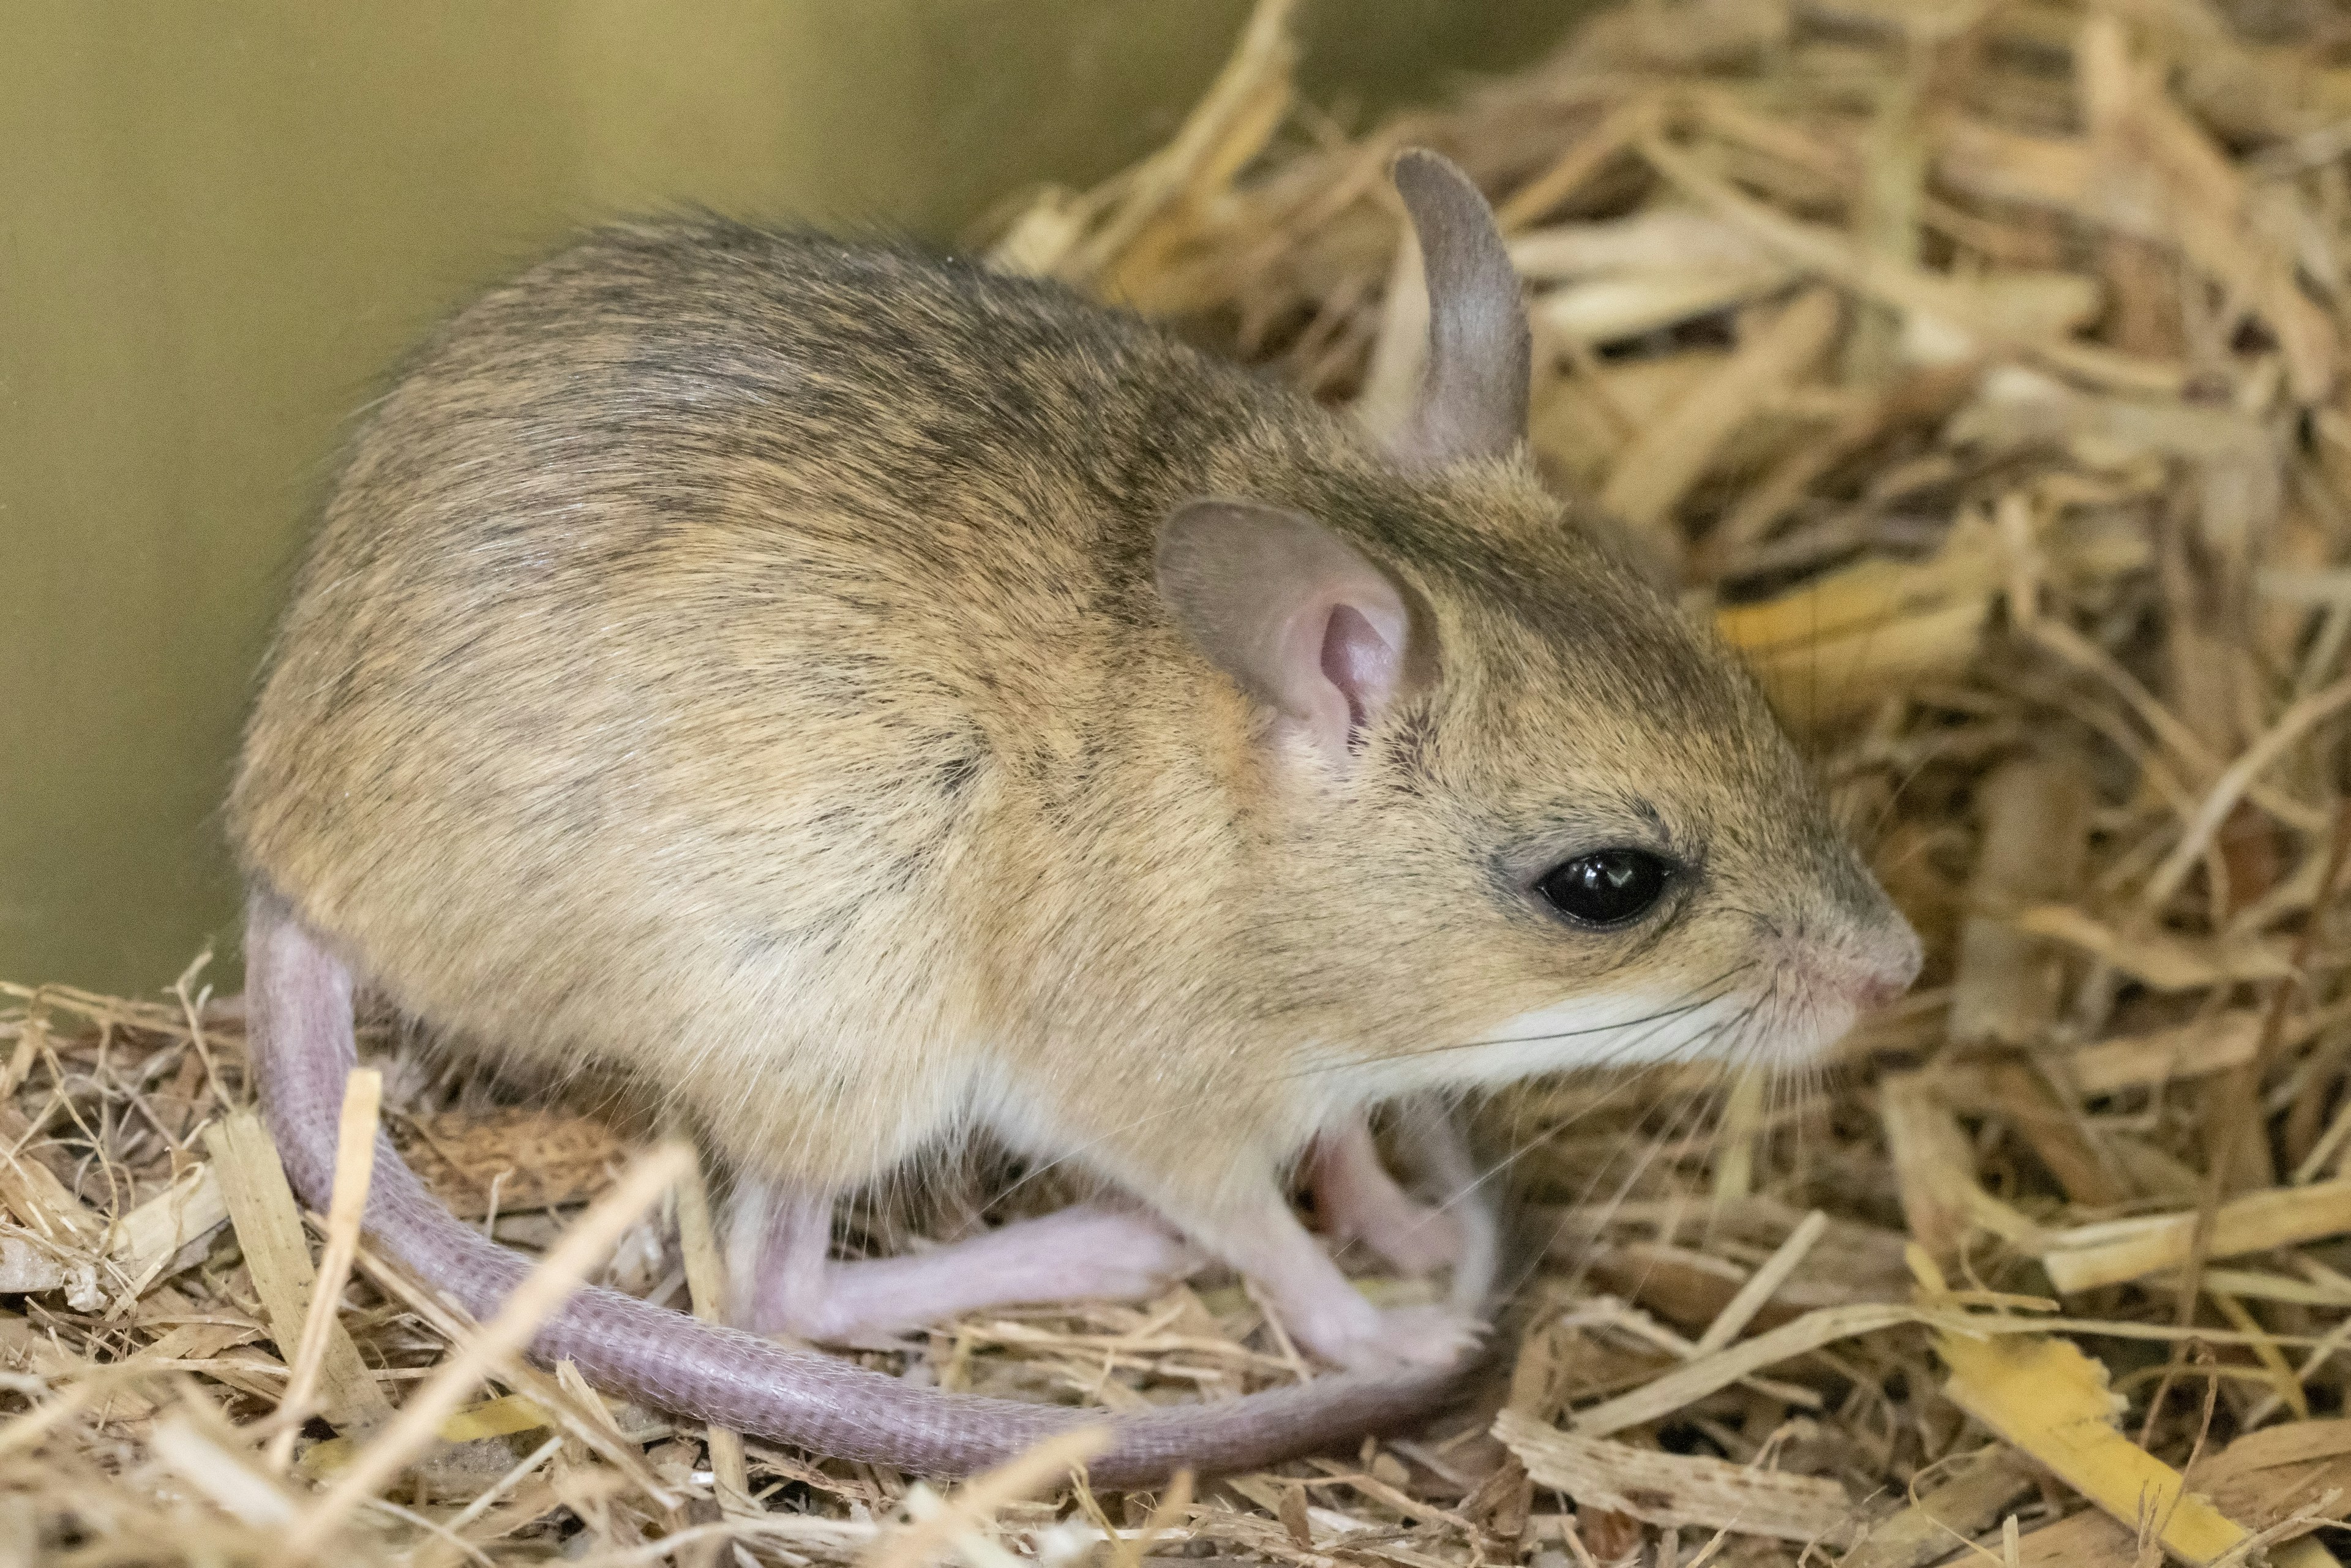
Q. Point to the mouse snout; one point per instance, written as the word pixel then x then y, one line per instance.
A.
pixel 1830 975
pixel 1881 967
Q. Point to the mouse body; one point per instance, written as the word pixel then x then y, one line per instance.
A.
pixel 867 700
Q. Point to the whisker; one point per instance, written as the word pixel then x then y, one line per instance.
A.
pixel 1503 1165
pixel 1649 1149
pixel 1679 1009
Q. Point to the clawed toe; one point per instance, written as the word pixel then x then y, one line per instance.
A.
pixel 1415 1337
pixel 1371 1340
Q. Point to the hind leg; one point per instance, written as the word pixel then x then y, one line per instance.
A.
pixel 781 1247
pixel 1358 1197
pixel 1358 1200
pixel 1318 1305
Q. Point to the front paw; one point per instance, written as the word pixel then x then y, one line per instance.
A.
pixel 1400 1337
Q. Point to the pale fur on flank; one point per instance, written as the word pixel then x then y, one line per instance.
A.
pixel 766 668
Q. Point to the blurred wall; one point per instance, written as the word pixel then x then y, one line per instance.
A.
pixel 221 219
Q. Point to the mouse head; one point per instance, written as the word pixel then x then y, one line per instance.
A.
pixel 1541 819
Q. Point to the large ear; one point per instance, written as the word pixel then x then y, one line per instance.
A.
pixel 1293 614
pixel 1473 395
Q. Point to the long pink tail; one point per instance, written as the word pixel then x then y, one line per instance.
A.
pixel 298 1010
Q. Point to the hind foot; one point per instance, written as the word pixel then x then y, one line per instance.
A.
pixel 1087 1251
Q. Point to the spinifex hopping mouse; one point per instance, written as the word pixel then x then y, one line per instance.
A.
pixel 866 700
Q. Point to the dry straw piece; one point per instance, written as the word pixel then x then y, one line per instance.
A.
pixel 1976 367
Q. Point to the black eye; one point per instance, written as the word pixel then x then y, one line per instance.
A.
pixel 1608 888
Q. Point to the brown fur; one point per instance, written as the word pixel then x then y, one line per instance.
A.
pixel 732 659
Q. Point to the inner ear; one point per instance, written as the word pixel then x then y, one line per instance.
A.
pixel 1294 614
pixel 1361 663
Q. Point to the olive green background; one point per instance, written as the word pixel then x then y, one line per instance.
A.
pixel 220 223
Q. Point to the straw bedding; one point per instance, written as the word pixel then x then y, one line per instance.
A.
pixel 1976 366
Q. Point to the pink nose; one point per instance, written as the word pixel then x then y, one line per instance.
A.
pixel 1886 973
pixel 1871 992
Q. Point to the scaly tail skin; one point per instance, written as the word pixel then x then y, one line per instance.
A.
pixel 299 1012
